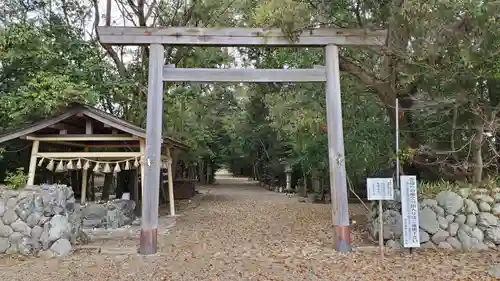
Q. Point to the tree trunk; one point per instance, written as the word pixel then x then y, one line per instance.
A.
pixel 315 184
pixel 477 150
pixel 201 172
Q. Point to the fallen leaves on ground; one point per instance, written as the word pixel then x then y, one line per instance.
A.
pixel 242 232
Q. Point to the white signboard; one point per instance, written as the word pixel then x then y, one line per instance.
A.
pixel 409 206
pixel 380 188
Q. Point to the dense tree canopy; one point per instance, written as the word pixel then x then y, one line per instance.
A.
pixel 440 61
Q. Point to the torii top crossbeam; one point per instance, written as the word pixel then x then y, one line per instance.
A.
pixel 238 36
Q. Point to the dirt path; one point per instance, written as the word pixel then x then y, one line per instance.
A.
pixel 240 231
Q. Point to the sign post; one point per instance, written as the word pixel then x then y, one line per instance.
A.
pixel 380 189
pixel 409 212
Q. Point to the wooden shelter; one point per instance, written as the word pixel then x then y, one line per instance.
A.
pixel 84 138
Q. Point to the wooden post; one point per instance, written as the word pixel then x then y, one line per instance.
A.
pixel 142 149
pixel 381 229
pixel 170 183
pixel 336 160
pixel 32 167
pixel 152 163
pixel 84 182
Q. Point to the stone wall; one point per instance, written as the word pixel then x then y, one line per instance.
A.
pixel 38 221
pixel 467 219
pixel 112 214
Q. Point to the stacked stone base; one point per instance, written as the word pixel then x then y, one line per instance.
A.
pixel 39 221
pixel 112 214
pixel 467 219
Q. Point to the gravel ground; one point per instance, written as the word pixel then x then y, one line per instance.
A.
pixel 239 231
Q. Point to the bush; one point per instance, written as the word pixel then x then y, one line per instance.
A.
pixel 17 179
pixel 431 189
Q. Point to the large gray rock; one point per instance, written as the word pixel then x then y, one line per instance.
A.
pixel 9 217
pixel 21 227
pixel 117 213
pixel 494 271
pixel 4 244
pixel 445 245
pixel 36 232
pixel 460 219
pixel 496 209
pixel 59 227
pixel 493 234
pixel 61 247
pixel 25 206
pixel 450 218
pixel 464 239
pixel 478 234
pixel 443 223
pixel 2 208
pixel 424 236
pixel 454 243
pixel 471 207
pixel 428 220
pixel 29 246
pixel 453 228
pixel 428 203
pixel 450 201
pixel 487 199
pixel 94 211
pixel 487 220
pixel 5 230
pixel 484 207
pixel 121 212
pixel 393 227
pixel 440 236
pixel 33 219
pixel 471 220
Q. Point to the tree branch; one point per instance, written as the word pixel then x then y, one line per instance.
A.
pixel 109 49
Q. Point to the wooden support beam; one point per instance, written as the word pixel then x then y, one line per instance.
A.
pixel 120 145
pixel 170 182
pixel 142 150
pixel 88 127
pixel 72 144
pixel 70 155
pixel 83 138
pixel 32 166
pixel 84 182
pixel 151 178
pixel 243 75
pixel 336 158
pixel 237 36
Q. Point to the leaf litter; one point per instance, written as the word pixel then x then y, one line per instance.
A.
pixel 244 232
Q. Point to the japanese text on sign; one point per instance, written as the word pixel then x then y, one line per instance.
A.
pixel 409 206
pixel 380 188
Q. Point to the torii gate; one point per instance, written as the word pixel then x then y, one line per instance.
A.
pixel 324 37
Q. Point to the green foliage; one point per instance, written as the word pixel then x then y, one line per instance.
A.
pixel 441 62
pixel 431 189
pixel 17 179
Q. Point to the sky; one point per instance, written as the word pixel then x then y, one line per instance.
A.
pixel 118 20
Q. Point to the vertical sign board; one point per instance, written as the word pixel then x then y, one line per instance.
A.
pixel 409 206
pixel 380 189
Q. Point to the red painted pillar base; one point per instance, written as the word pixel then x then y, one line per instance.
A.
pixel 148 241
pixel 342 239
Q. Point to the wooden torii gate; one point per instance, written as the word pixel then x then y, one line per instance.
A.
pixel 158 72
